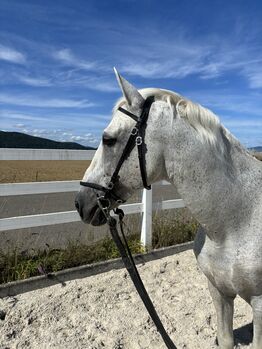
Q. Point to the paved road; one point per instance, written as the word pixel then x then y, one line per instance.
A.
pixel 58 235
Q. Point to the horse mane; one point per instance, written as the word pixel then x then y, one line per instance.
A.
pixel 207 125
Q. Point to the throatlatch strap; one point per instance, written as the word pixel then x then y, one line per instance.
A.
pixel 141 157
pixel 141 147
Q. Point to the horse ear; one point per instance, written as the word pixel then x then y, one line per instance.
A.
pixel 131 94
pixel 181 108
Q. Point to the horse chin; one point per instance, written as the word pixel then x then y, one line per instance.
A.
pixel 98 218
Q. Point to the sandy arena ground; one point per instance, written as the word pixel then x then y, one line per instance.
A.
pixel 104 311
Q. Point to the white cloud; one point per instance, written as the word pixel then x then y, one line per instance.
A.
pixel 62 136
pixel 240 113
pixel 79 78
pixel 166 59
pixel 101 85
pixel 74 119
pixel 73 77
pixel 19 125
pixel 77 138
pixel 238 123
pixel 11 55
pixel 9 114
pixel 67 57
pixel 254 75
pixel 181 56
pixel 32 101
pixel 38 82
pixel 223 100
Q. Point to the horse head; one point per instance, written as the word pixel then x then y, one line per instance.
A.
pixel 111 148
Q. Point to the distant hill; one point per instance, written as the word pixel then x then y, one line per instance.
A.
pixel 22 140
pixel 259 149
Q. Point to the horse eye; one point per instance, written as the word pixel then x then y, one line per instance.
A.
pixel 109 141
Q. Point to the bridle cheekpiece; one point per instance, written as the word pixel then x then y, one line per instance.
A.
pixel 136 138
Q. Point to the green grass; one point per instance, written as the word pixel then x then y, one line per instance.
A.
pixel 18 266
pixel 168 229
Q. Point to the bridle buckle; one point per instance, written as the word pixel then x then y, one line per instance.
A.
pixel 110 185
pixel 101 201
pixel 104 202
pixel 139 140
pixel 134 131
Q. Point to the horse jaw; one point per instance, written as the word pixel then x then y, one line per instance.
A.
pixel 131 94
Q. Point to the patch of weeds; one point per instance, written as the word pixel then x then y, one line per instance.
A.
pixel 18 266
pixel 171 229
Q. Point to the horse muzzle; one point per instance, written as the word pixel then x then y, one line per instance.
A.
pixel 88 208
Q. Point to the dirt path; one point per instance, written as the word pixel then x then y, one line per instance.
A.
pixel 104 311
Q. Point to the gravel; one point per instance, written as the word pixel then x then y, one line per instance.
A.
pixel 104 311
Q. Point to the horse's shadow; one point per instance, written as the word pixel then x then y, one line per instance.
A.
pixel 244 334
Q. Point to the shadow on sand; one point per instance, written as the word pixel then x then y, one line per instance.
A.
pixel 244 334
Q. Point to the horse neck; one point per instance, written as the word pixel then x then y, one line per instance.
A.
pixel 215 188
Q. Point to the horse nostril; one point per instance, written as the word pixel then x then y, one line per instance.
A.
pixel 77 206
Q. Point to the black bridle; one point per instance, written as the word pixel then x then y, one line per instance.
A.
pixel 136 138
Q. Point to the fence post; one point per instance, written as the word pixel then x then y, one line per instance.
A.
pixel 146 231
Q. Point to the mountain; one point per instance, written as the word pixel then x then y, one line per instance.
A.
pixel 22 140
pixel 258 149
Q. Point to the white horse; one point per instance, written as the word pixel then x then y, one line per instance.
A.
pixel 219 181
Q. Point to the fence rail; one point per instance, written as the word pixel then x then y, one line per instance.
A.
pixel 45 154
pixel 146 207
pixel 30 188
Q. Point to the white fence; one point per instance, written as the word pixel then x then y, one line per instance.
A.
pixel 145 207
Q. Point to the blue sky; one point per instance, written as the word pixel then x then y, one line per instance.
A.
pixel 56 60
